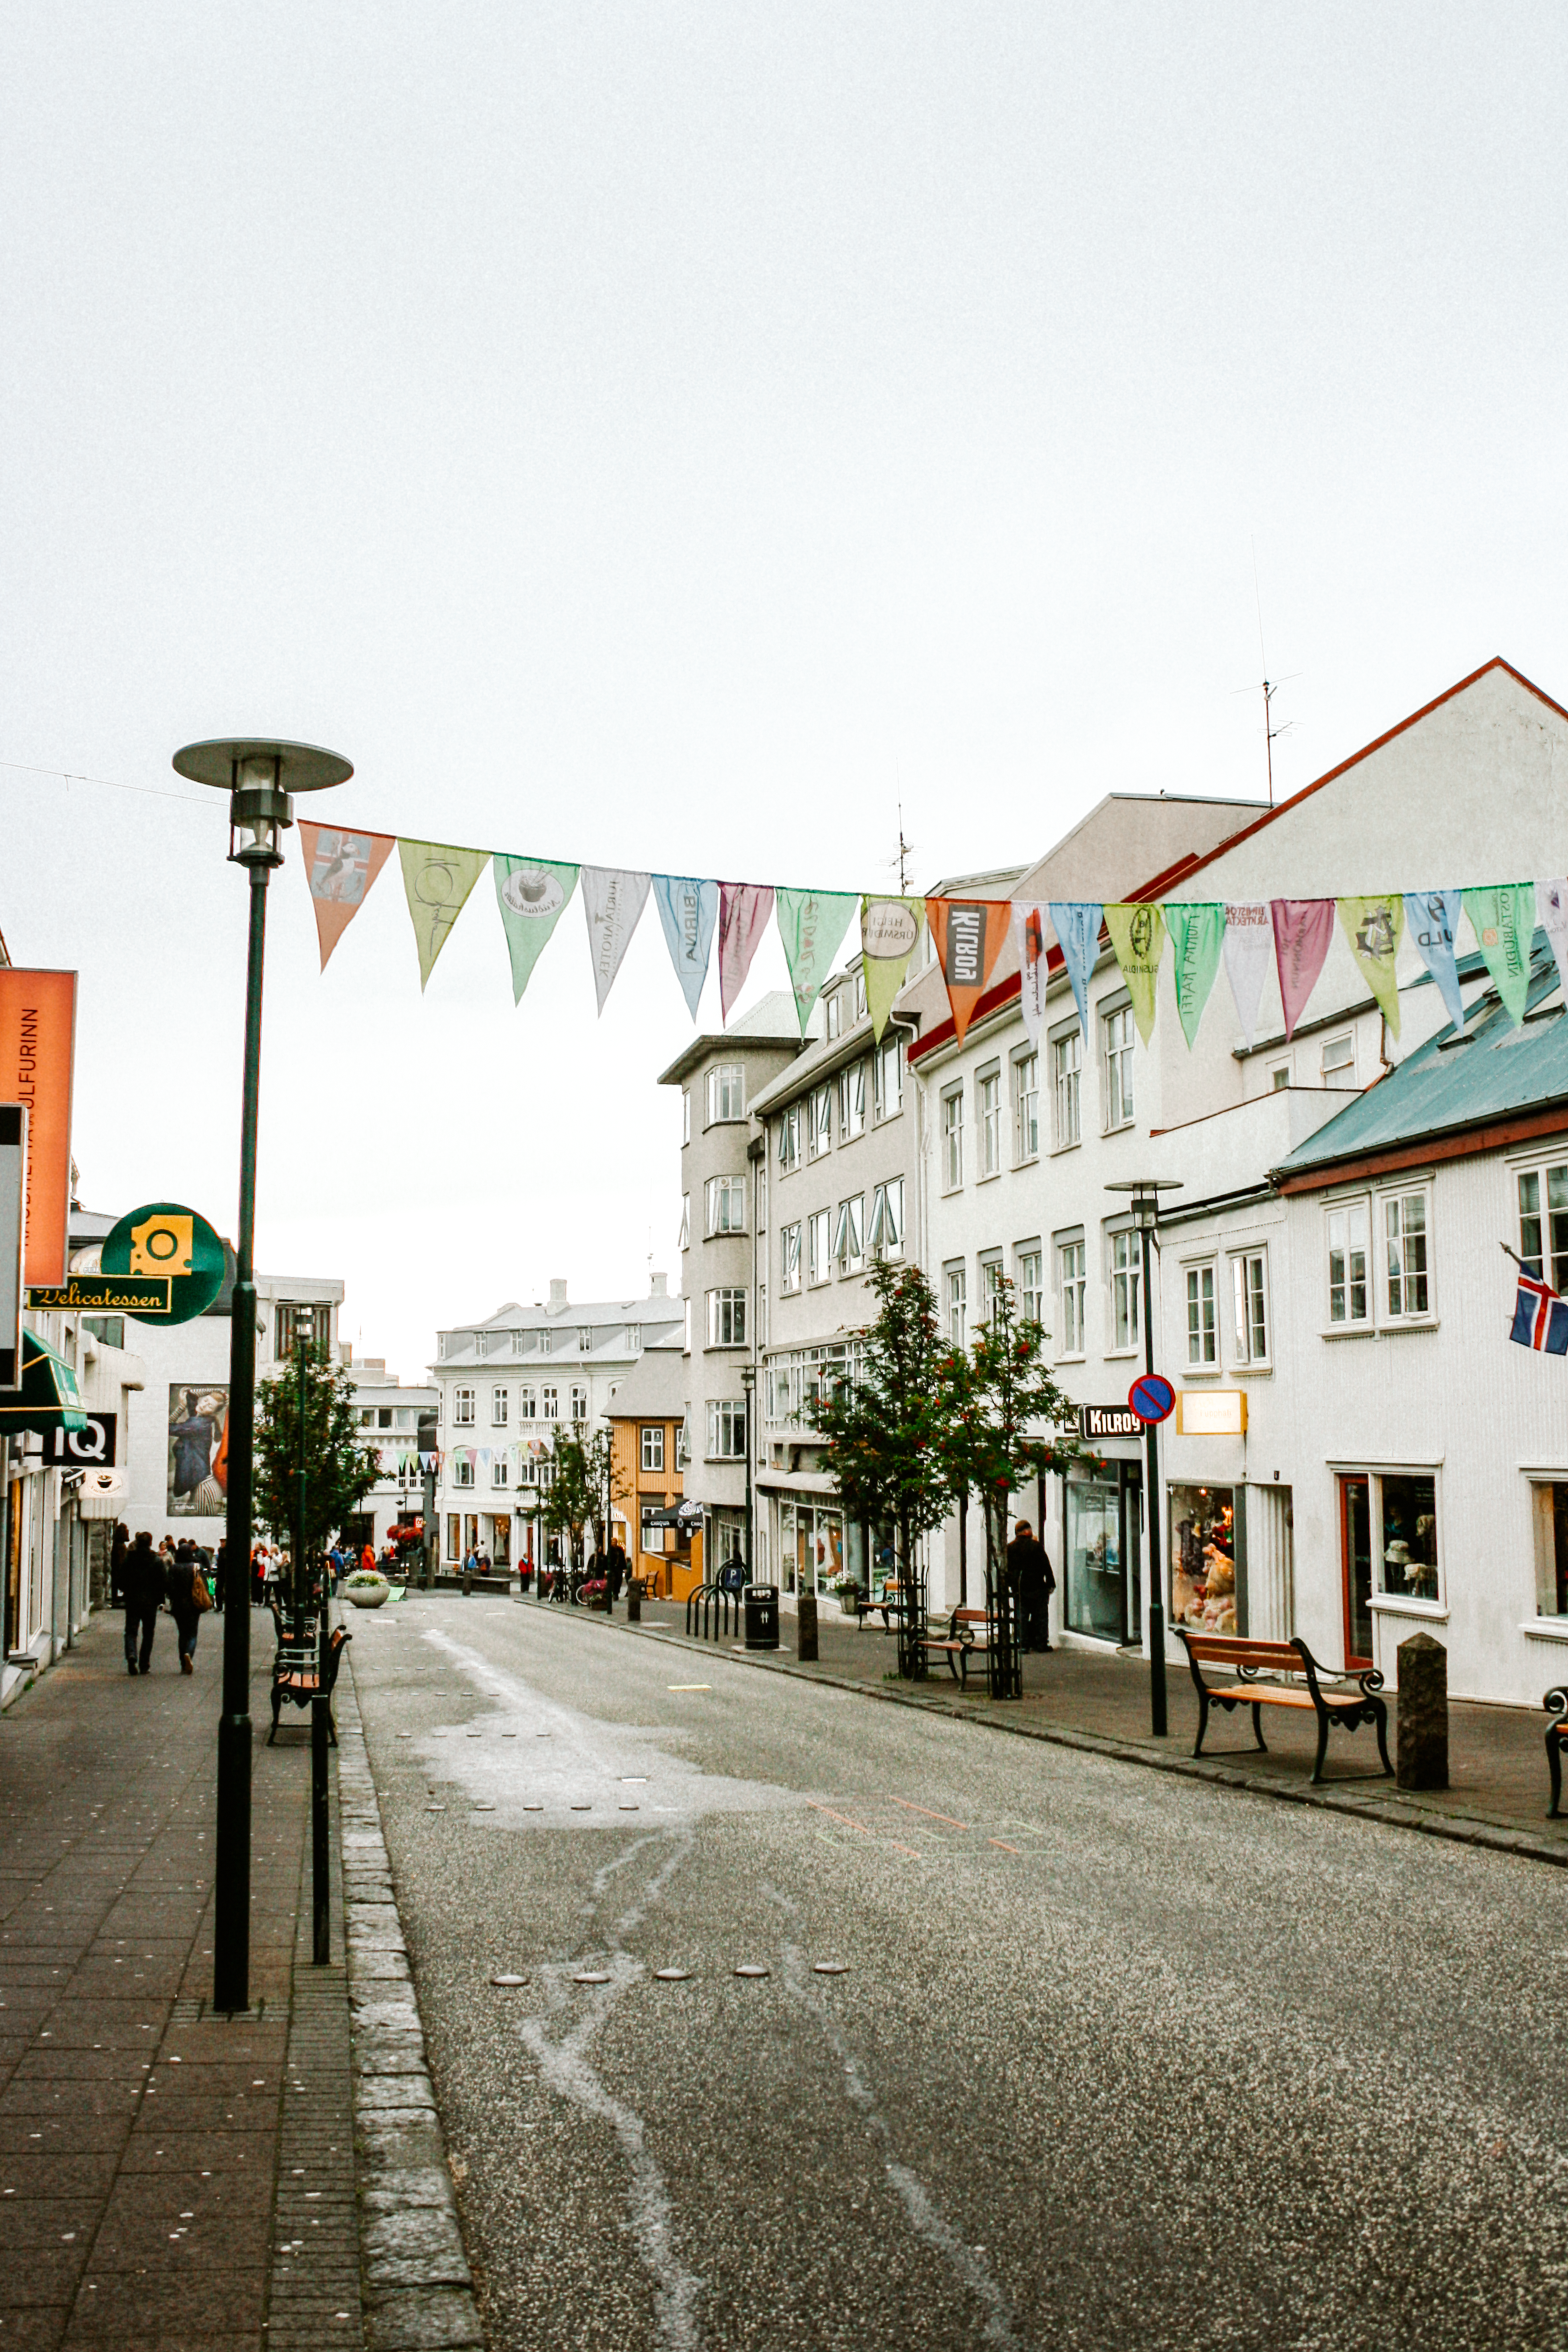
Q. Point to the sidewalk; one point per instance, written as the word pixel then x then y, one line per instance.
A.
pixel 1098 1700
pixel 141 2141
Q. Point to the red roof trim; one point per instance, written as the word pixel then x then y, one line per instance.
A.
pixel 1456 1143
pixel 1366 750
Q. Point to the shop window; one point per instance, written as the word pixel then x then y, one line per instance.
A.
pixel 1544 1224
pixel 500 1404
pixel 1203 1326
pixel 811 1540
pixel 1026 1108
pixel 726 1093
pixel 653 1532
pixel 1067 1077
pixel 1250 1307
pixel 1548 1499
pixel 1119 1067
pixel 956 1287
pixel 988 1119
pixel 1408 1521
pixel 454 1536
pixel 1406 1233
pixel 789 1258
pixel 852 1102
pixel 1349 1292
pixel 1203 1557
pixel 1072 1275
pixel 1102 1539
pixel 952 1140
pixel 1125 1270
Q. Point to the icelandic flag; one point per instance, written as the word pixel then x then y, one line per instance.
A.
pixel 1540 1317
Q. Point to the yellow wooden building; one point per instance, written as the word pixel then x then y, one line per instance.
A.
pixel 648 1422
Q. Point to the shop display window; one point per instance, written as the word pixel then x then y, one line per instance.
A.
pixel 1103 1526
pixel 812 1542
pixel 1203 1557
pixel 1410 1536
pixel 1550 1499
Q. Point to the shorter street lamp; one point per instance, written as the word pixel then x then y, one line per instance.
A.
pixel 1145 1192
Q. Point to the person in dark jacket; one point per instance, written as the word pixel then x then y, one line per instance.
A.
pixel 144 1581
pixel 1034 1580
pixel 615 1569
pixel 118 1553
pixel 182 1585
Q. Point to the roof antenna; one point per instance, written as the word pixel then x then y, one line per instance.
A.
pixel 906 850
pixel 1270 685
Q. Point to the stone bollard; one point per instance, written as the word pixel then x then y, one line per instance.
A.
pixel 634 1603
pixel 468 1584
pixel 805 1629
pixel 1422 1752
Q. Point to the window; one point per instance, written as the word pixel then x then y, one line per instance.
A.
pixel 653 1445
pixel 952 1140
pixel 726 1319
pixel 852 1102
pixel 652 1530
pixel 887 1077
pixel 1350 1295
pixel 789 1258
pixel 686 1324
pixel 1119 1067
pixel 1339 1062
pixel 518 1342
pixel 683 1447
pixel 367 1416
pixel 633 1338
pixel 1250 1307
pixel 685 1241
pixel 726 1204
pixel 1072 1274
pixel 988 1120
pixel 1067 1074
pixel 440 1345
pixel 726 1430
pixel 526 1404
pixel 1026 1108
pixel 726 1092
pixel 501 1470
pixel 1549 1498
pixel 463 1407
pixel 546 1341
pixel 956 1286
pixel 579 1401
pixel 1126 1252
pixel 886 1238
pixel 481 1345
pixel 287 1326
pixel 499 1406
pixel 818 1237
pixel 834 1015
pixel 584 1342
pixel 761 1182
pixel 849 1235
pixel 1405 1226
pixel 1203 1335
pixel 860 993
pixel 761 1314
pixel 818 1121
pixel 1027 1275
pixel 1544 1223
pixel 110 1329
pixel 551 1403
pixel 462 1469
pixel 990 1285
pixel 1408 1516
pixel 686 1114
pixel 789 1138
pixel 1279 1078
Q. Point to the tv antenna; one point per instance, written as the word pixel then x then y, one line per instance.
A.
pixel 1271 685
pixel 906 851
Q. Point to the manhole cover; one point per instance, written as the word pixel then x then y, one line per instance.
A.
pixel 582 1809
pixel 533 1806
pixel 830 1968
pixel 625 1808
pixel 671 1975
pixel 750 1968
pixel 592 1976
pixel 509 1980
pixel 484 1808
pixel 434 1809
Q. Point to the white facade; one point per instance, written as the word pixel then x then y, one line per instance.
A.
pixel 388 1417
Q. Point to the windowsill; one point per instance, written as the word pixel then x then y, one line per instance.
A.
pixel 951 1191
pixel 1058 1149
pixel 851 1139
pixel 1406 1323
pixel 1203 1372
pixel 1080 1357
pixel 1546 1629
pixel 1122 1355
pixel 1379 1330
pixel 1122 1127
pixel 734 1233
pixel 992 1177
pixel 1031 1160
pixel 1401 1604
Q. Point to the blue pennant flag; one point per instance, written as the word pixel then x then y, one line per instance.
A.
pixel 688 909
pixel 1540 1317
pixel 1078 925
pixel 1431 918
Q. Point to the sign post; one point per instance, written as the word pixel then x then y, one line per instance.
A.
pixel 1150 1400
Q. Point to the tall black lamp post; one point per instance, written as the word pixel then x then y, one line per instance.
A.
pixel 1145 1193
pixel 749 1382
pixel 260 778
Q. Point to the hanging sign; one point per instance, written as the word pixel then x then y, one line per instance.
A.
pixel 38 1033
pixel 13 1233
pixel 1108 1421
pixel 164 1239
pixel 142 1295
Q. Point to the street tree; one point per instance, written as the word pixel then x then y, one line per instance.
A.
pixel 339 1471
pixel 582 1484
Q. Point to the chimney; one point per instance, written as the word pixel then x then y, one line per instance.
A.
pixel 660 1286
pixel 557 1292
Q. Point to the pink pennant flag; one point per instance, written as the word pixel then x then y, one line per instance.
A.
pixel 1302 930
pixel 744 911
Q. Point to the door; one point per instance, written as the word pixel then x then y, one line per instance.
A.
pixel 1355 1554
pixel 1132 1551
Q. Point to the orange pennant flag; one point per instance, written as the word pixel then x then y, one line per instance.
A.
pixel 339 869
pixel 968 934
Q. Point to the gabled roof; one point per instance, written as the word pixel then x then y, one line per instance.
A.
pixel 1463 1091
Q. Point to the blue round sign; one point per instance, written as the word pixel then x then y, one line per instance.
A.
pixel 1152 1398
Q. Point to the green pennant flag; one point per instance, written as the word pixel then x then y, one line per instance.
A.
pixel 888 931
pixel 811 925
pixel 1504 923
pixel 1374 928
pixel 531 895
pixel 1138 940
pixel 1197 939
pixel 437 881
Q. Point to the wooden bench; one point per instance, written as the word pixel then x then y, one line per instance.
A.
pixel 1249 1660
pixel 887 1603
pixel 1556 1706
pixel 296 1670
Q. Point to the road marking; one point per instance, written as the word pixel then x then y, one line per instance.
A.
pixel 929 1815
pixel 689 1685
pixel 850 1824
pixel 1005 1847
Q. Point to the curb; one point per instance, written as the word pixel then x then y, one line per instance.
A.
pixel 1390 1811
pixel 416 2287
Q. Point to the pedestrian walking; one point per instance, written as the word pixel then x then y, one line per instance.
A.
pixel 367 1561
pixel 1034 1580
pixel 185 1604
pixel 615 1569
pixel 220 1577
pixel 143 1586
pixel 118 1553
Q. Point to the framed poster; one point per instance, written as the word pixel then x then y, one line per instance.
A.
pixel 198 1449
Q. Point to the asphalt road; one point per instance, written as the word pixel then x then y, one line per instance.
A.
pixel 1115 2060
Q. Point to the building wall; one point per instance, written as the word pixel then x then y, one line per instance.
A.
pixel 670 1569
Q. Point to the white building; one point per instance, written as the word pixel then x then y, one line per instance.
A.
pixel 388 1416
pixel 506 1384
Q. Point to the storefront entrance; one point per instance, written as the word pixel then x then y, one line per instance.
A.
pixel 1104 1519
pixel 1355 1541
pixel 811 1539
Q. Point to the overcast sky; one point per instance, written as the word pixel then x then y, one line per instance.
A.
pixel 667 436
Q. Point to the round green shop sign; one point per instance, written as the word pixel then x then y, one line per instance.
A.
pixel 163 1238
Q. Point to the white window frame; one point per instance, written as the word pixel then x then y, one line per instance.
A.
pixel 527 1405
pixel 1330 1072
pixel 852 1101
pixel 1347 1206
pixel 955 1303
pixel 952 1138
pixel 885 1235
pixel 789 1242
pixel 726 1093
pixel 887 1063
pixel 1067 1089
pixel 1025 1108
pixel 501 1470
pixel 500 1408
pixel 462 1471
pixel 1251 1308
pixel 818 1246
pixel 1201 1307
pixel 727 1316
pixel 685 1241
pixel 578 1403
pixel 1546 1260
pixel 651 1446
pixel 848 1235
pixel 1412 1273
pixel 1072 1291
pixel 789 1138
pixel 1029 1281
pixel 819 1120
pixel 686 1115
pixel 464 1408
pixel 1124 1261
pixel 549 1401
pixel 988 1122
pixel 989 1267
pixel 726 1429
pixel 725 1205
pixel 1118 1036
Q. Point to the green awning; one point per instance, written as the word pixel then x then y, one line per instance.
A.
pixel 49 1398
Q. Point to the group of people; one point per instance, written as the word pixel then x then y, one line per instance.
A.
pixel 342 1561
pixel 180 1576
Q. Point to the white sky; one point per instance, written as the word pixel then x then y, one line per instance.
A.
pixel 664 435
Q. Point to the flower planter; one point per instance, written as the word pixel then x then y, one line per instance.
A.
pixel 367 1596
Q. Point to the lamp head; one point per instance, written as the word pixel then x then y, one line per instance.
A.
pixel 260 778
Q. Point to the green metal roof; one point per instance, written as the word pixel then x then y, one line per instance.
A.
pixel 1448 1085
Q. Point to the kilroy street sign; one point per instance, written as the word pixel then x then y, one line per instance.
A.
pixel 1108 1421
pixel 1152 1397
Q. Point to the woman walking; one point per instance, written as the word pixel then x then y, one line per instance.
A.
pixel 184 1606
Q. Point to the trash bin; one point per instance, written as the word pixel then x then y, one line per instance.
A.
pixel 762 1605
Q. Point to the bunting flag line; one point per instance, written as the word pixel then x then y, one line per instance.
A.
pixel 967 934
pixel 1029 919
pixel 533 899
pixel 1503 921
pixel 1197 934
pixel 1248 951
pixel 744 911
pixel 1553 911
pixel 340 868
pixel 1374 928
pixel 1077 923
pixel 1431 918
pixel 689 910
pixel 437 882
pixel 613 899
pixel 888 931
pixel 812 925
pixel 1303 929
pixel 1138 940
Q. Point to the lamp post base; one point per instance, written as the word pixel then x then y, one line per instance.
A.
pixel 231 1891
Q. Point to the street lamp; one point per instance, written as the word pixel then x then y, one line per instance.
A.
pixel 259 777
pixel 1145 1192
pixel 749 1382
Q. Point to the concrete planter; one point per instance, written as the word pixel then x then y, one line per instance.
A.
pixel 366 1596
